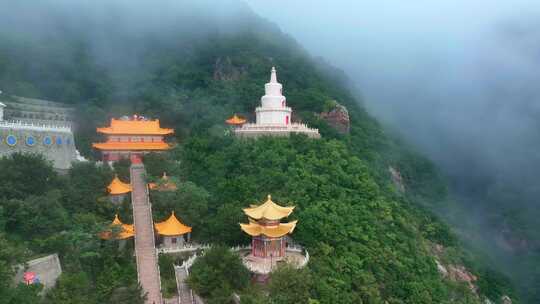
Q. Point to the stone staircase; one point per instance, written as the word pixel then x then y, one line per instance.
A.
pixel 145 248
pixel 185 294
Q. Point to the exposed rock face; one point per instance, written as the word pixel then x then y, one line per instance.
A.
pixel 395 175
pixel 506 300
pixel 225 70
pixel 456 273
pixel 338 118
pixel 459 273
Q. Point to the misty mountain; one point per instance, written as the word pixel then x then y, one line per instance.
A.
pixel 193 64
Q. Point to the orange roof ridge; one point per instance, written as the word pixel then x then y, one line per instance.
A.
pixel 172 226
pixel 269 210
pixel 110 145
pixel 135 127
pixel 117 187
pixel 126 231
pixel 236 120
pixel 254 229
pixel 164 185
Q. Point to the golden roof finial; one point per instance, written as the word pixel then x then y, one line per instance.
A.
pixel 268 210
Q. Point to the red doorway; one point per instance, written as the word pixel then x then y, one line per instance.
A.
pixel 136 159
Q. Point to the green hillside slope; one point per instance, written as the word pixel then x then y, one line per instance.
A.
pixel 369 243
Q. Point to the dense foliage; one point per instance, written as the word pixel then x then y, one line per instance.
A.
pixel 369 243
pixel 61 215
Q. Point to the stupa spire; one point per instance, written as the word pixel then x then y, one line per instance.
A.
pixel 273 76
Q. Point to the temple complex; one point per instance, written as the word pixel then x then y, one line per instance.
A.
pixel 118 190
pixel 273 117
pixel 172 231
pixel 131 137
pixel 269 244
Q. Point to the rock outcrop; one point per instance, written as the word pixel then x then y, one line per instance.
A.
pixel 224 70
pixel 338 118
pixel 454 272
pixel 397 179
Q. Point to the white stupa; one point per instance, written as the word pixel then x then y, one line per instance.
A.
pixel 273 116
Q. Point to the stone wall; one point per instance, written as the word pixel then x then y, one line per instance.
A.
pixel 47 269
pixel 30 109
pixel 58 146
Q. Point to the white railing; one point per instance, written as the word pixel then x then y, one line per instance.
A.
pixel 187 247
pixel 188 263
pixel 238 248
pixel 265 266
pixel 305 261
pixel 35 126
pixel 277 128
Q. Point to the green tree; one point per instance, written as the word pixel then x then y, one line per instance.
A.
pixel 289 285
pixel 218 273
pixel 22 175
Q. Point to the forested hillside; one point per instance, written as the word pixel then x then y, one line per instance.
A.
pixel 192 67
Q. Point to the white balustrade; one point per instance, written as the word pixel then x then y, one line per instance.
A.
pixel 35 126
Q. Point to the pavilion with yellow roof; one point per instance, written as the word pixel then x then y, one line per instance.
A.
pixel 118 190
pixel 267 231
pixel 124 231
pixel 173 231
pixel 131 137
pixel 164 184
pixel 235 120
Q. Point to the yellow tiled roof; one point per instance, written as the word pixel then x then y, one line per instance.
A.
pixel 235 120
pixel 269 210
pixel 135 127
pixel 172 226
pixel 143 146
pixel 126 231
pixel 164 185
pixel 280 230
pixel 117 187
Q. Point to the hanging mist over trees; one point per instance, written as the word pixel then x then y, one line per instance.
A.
pixel 192 64
pixel 459 79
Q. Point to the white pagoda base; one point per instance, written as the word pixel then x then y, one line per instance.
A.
pixel 257 130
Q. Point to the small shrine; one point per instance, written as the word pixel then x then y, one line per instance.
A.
pixel 273 117
pixel 165 184
pixel 270 243
pixel 118 190
pixel 124 231
pixel 132 137
pixel 173 232
pixel 236 121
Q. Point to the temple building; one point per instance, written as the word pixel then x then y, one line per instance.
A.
pixel 118 190
pixel 173 232
pixel 131 137
pixel 118 230
pixel 269 243
pixel 165 184
pixel 38 126
pixel 235 121
pixel 273 117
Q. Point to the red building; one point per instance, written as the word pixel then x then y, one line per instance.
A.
pixel 131 138
pixel 267 231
